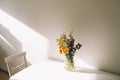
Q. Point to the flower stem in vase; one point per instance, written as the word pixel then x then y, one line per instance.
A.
pixel 69 62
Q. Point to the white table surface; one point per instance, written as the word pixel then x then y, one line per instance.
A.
pixel 54 70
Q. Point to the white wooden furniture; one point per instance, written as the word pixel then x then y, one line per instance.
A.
pixel 16 63
pixel 54 70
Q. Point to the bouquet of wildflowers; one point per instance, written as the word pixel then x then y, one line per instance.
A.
pixel 67 47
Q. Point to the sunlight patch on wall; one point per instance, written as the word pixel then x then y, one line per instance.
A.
pixel 80 63
pixel 34 43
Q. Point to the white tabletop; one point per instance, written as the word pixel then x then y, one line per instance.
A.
pixel 51 70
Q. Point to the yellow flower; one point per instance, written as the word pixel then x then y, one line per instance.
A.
pixel 64 36
pixel 60 40
pixel 61 48
pixel 57 40
pixel 60 51
pixel 65 50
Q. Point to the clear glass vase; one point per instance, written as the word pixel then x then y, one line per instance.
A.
pixel 69 63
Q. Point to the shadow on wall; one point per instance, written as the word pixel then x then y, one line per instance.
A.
pixel 19 37
pixel 10 40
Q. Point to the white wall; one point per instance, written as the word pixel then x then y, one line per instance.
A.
pixel 95 24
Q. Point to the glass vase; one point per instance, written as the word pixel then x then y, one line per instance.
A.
pixel 69 63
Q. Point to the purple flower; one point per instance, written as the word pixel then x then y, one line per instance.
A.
pixel 78 46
